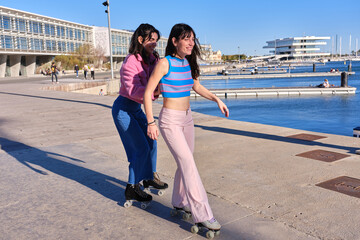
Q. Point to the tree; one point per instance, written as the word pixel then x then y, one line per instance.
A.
pixel 233 57
pixel 85 54
pixel 99 54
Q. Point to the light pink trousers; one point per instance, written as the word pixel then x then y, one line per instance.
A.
pixel 177 129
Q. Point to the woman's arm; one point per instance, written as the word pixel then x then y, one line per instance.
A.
pixel 160 70
pixel 204 92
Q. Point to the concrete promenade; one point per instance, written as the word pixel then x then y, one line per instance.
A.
pixel 64 170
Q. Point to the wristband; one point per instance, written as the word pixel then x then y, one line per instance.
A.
pixel 151 122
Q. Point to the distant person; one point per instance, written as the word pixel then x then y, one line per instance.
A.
pixel 54 72
pixel 85 69
pixel 101 93
pixel 337 70
pixel 92 72
pixel 76 68
pixel 325 84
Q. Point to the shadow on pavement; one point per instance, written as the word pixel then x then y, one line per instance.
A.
pixel 109 187
pixel 275 138
pixel 58 99
pixel 101 183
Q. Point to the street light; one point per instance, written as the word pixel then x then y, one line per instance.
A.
pixel 239 53
pixel 106 4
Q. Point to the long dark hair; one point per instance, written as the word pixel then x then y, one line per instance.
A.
pixel 181 31
pixel 145 30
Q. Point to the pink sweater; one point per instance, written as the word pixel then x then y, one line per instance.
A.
pixel 134 75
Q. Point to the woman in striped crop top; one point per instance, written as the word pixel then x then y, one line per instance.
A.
pixel 177 74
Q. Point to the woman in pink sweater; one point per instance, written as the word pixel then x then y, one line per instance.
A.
pixel 130 120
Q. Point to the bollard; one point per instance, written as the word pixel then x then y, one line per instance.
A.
pixel 314 67
pixel 349 68
pixel 344 79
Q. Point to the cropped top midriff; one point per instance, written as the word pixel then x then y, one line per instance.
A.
pixel 178 81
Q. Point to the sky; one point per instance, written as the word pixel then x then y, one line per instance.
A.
pixel 231 26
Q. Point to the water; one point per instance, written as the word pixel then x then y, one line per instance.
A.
pixel 335 114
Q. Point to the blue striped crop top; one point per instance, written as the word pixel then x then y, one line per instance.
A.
pixel 178 81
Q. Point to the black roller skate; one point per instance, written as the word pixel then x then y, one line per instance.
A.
pixel 185 212
pixel 212 226
pixel 156 184
pixel 135 193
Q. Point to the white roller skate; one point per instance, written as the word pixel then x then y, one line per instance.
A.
pixel 185 212
pixel 134 193
pixel 212 226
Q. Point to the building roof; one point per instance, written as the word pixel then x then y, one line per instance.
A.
pixel 29 14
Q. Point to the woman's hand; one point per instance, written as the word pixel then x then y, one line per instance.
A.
pixel 153 131
pixel 223 108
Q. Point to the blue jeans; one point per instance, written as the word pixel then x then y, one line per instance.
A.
pixel 52 77
pixel 141 151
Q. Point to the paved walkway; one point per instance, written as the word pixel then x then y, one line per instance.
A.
pixel 63 173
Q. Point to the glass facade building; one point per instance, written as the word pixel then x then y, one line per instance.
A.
pixel 26 32
pixel 120 40
pixel 28 40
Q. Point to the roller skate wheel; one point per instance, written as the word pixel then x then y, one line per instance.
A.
pixel 186 216
pixel 161 192
pixel 217 233
pixel 194 229
pixel 173 212
pixel 210 234
pixel 127 204
pixel 144 205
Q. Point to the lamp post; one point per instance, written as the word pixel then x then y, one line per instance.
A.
pixel 106 4
pixel 275 50
pixel 239 53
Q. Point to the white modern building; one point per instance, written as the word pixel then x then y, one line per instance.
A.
pixel 28 40
pixel 298 47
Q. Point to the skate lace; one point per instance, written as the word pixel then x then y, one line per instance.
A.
pixel 212 220
pixel 157 179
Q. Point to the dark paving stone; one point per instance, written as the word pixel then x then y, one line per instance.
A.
pixel 306 137
pixel 323 155
pixel 346 185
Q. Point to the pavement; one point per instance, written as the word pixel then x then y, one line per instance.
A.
pixel 64 170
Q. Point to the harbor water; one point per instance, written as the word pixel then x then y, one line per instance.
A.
pixel 335 114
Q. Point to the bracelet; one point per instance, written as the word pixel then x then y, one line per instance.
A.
pixel 151 122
